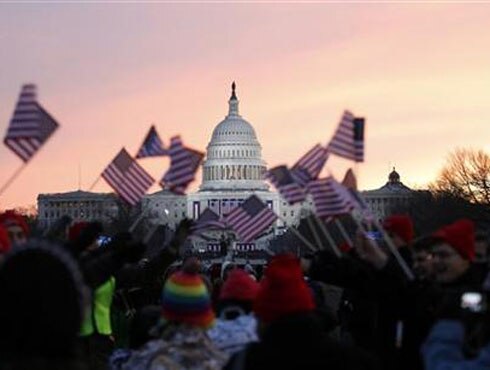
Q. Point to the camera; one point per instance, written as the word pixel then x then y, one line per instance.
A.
pixel 474 302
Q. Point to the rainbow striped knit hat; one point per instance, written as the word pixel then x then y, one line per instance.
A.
pixel 186 300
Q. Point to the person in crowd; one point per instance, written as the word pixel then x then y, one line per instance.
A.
pixel 16 226
pixel 453 254
pixel 423 261
pixel 4 241
pixel 235 326
pixel 43 302
pixel 291 336
pixel 482 241
pixel 399 228
pixel 187 315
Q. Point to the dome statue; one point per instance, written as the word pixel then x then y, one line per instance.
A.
pixel 234 155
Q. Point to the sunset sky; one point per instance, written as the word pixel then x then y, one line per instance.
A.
pixel 419 73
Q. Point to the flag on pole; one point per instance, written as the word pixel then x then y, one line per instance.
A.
pixel 250 219
pixel 208 220
pixel 152 145
pixel 348 140
pixel 309 166
pixel 31 125
pixel 128 179
pixel 350 180
pixel 184 163
pixel 329 198
pixel 286 184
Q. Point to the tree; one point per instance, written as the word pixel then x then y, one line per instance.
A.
pixel 466 175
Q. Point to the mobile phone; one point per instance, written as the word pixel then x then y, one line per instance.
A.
pixel 473 302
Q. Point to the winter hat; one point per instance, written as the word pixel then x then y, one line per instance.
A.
pixel 43 301
pixel 461 236
pixel 75 230
pixel 4 240
pixel 12 218
pixel 283 290
pixel 400 225
pixel 239 286
pixel 186 300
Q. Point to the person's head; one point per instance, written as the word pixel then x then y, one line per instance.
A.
pixel 453 250
pixel 186 300
pixel 83 235
pixel 400 229
pixel 237 294
pixel 481 247
pixel 282 291
pixel 43 301
pixel 16 226
pixel 423 262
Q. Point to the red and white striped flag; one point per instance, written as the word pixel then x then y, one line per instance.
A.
pixel 128 179
pixel 286 184
pixel 208 220
pixel 184 163
pixel 30 127
pixel 309 166
pixel 330 198
pixel 250 219
pixel 348 140
pixel 152 145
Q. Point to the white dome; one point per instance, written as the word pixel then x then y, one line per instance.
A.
pixel 234 158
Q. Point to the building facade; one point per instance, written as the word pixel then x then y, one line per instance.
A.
pixel 79 205
pixel 387 199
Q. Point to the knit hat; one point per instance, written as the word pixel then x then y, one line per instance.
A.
pixel 283 290
pixel 43 301
pixel 186 300
pixel 12 218
pixel 75 230
pixel 4 240
pixel 239 286
pixel 400 225
pixel 461 236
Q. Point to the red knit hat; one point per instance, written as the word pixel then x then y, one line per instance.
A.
pixel 4 240
pixel 239 286
pixel 76 229
pixel 461 236
pixel 400 225
pixel 11 218
pixel 283 290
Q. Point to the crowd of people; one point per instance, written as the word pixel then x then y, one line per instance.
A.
pixel 71 302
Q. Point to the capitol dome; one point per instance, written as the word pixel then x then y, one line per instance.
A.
pixel 234 155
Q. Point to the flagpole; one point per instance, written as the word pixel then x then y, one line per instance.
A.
pixel 329 237
pixel 313 231
pixel 94 183
pixel 12 178
pixel 401 262
pixel 343 232
pixel 298 235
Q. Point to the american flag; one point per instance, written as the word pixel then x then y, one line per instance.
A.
pixel 330 198
pixel 309 166
pixel 30 126
pixel 250 219
pixel 127 178
pixel 283 180
pixel 348 140
pixel 152 146
pixel 208 220
pixel 184 163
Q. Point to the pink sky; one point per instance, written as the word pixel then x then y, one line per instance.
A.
pixel 419 73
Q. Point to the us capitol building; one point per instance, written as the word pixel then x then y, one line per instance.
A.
pixel 233 170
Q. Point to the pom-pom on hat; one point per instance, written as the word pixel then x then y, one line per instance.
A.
pixel 460 235
pixel 239 286
pixel 400 225
pixel 283 290
pixel 186 300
